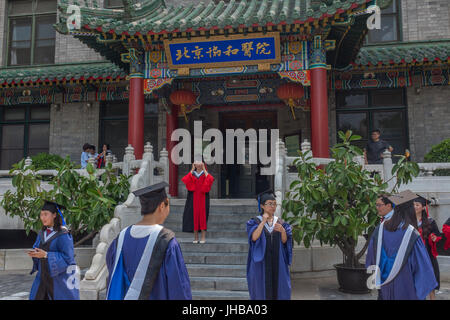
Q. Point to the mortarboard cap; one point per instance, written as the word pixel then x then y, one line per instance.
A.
pixel 402 197
pixel 264 196
pixel 422 200
pixel 54 208
pixel 151 196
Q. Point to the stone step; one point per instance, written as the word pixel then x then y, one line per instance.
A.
pixel 215 258
pixel 228 206
pixel 218 202
pixel 214 245
pixel 212 234
pixel 217 270
pixel 231 226
pixel 219 283
pixel 219 295
pixel 215 218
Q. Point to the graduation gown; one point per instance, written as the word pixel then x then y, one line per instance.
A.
pixel 196 209
pixel 268 263
pixel 432 250
pixel 163 276
pixel 52 279
pixel 415 280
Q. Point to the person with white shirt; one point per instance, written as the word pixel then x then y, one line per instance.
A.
pixel 270 252
pixel 145 261
pixel 385 207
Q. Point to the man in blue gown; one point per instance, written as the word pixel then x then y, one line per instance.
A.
pixel 404 270
pixel 270 253
pixel 145 261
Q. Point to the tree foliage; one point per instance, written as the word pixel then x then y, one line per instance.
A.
pixel 89 200
pixel 335 203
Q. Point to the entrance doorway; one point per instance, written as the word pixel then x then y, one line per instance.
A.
pixel 245 180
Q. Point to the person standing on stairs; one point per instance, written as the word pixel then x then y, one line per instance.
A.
pixel 196 210
pixel 270 252
pixel 145 261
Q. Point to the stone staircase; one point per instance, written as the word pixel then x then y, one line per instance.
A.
pixel 217 269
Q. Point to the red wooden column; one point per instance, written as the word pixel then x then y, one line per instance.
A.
pixel 136 114
pixel 172 125
pixel 319 101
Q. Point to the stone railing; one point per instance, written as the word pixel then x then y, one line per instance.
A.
pixel 124 215
pixel 436 188
pixel 29 162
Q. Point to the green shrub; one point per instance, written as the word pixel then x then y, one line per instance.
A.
pixel 440 153
pixel 45 161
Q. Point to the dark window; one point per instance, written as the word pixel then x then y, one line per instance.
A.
pixel 25 131
pixel 31 37
pixel 390 25
pixel 352 99
pixel 383 109
pixel 114 126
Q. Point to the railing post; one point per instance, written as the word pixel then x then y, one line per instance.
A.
pixel 127 158
pixel 148 156
pixel 109 158
pixel 306 148
pixel 164 160
pixel 387 169
pixel 279 175
pixel 28 162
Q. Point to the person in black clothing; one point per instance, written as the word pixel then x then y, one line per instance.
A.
pixel 373 153
pixel 430 234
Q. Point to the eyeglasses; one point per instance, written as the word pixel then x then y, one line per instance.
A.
pixel 271 204
pixel 379 205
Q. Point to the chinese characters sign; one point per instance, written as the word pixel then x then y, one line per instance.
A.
pixel 234 50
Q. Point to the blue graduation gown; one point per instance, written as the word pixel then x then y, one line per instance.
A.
pixel 172 281
pixel 415 280
pixel 258 263
pixel 59 257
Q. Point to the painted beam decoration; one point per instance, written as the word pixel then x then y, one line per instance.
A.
pixel 371 80
pixel 222 51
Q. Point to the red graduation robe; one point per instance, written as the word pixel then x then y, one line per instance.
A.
pixel 199 187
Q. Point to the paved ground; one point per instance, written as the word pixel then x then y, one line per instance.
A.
pixel 15 285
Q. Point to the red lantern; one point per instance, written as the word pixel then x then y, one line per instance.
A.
pixel 183 98
pixel 288 92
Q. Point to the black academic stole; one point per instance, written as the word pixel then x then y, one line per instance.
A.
pixel 45 290
pixel 156 260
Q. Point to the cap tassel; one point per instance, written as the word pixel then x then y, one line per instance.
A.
pixel 62 218
pixel 259 203
pixel 426 209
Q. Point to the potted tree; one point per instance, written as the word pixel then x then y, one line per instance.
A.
pixel 335 204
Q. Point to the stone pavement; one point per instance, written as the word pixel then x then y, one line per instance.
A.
pixel 15 285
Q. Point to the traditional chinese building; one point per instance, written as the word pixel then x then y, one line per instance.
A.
pixel 308 68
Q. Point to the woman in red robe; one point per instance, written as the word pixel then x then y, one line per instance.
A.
pixel 198 183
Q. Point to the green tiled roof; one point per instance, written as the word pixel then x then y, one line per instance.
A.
pixel 153 16
pixel 404 53
pixel 66 72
